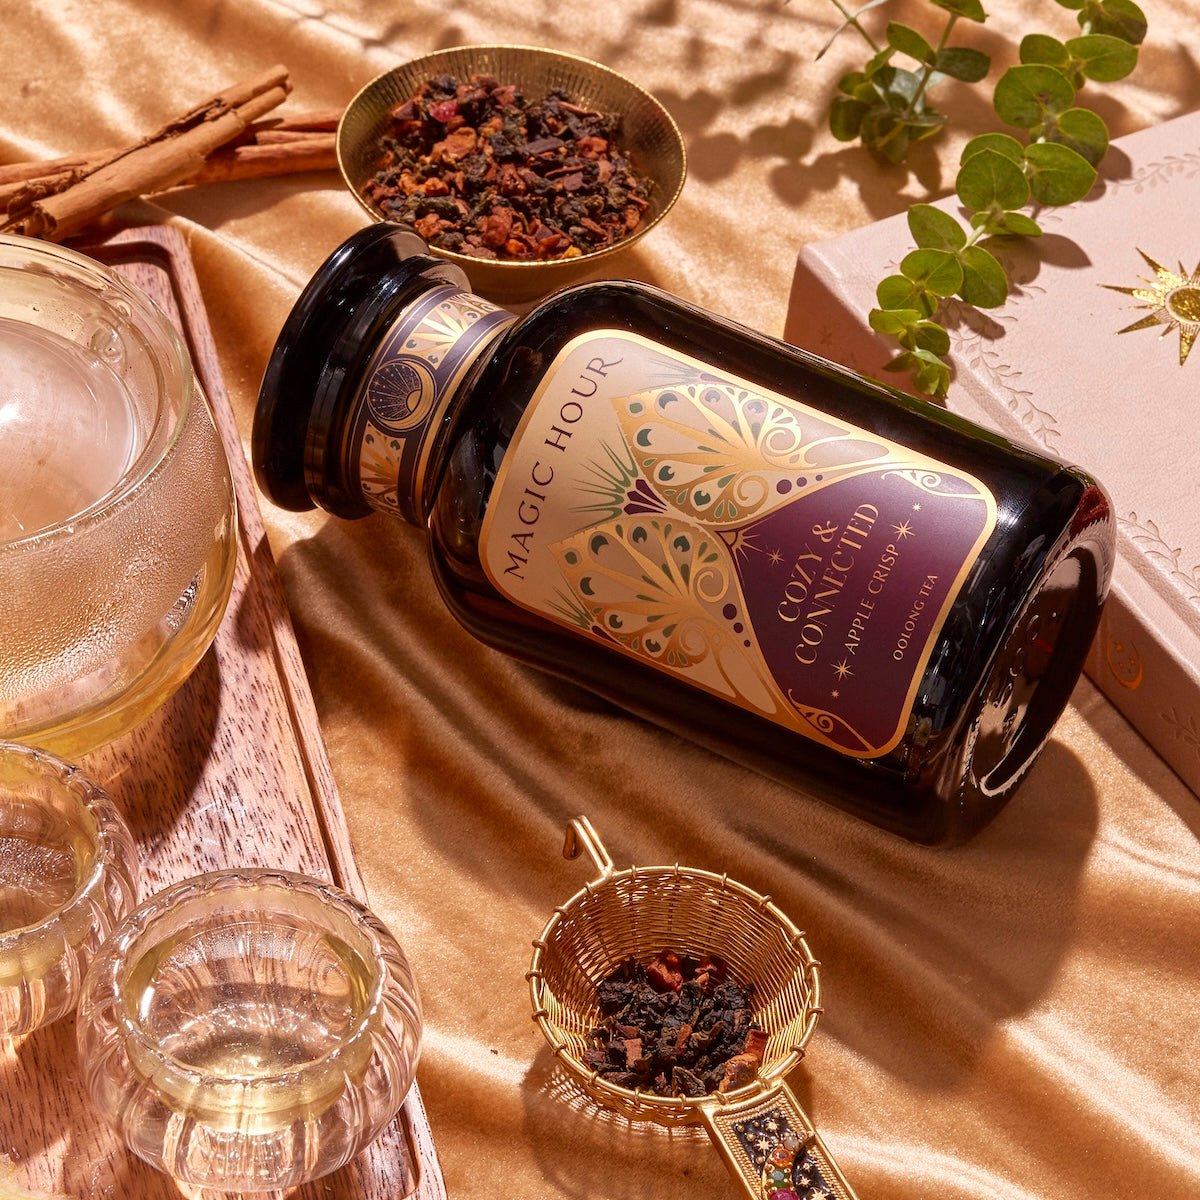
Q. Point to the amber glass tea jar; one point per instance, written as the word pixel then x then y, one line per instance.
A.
pixel 839 585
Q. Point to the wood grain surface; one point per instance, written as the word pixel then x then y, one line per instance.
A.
pixel 231 771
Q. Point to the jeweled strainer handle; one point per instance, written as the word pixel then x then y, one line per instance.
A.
pixel 772 1149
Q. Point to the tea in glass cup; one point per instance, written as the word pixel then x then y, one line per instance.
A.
pixel 68 874
pixel 249 1030
pixel 117 511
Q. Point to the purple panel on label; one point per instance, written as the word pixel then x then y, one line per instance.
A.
pixel 846 588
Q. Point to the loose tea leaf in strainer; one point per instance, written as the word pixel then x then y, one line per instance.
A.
pixel 766 1140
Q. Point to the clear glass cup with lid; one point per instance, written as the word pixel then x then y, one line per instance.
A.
pixel 117 511
pixel 249 1030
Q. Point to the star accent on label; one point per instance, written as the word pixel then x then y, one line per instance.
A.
pixel 843 669
pixel 903 530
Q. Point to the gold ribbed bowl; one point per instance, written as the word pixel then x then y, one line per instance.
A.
pixel 642 911
pixel 649 136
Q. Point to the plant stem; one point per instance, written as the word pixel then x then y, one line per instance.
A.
pixel 927 71
pixel 852 19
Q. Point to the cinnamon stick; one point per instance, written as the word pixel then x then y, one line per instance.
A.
pixel 270 137
pixel 323 121
pixel 24 171
pixel 316 152
pixel 253 160
pixel 269 129
pixel 168 156
pixel 25 191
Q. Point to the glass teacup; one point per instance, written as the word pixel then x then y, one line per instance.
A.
pixel 249 1030
pixel 68 874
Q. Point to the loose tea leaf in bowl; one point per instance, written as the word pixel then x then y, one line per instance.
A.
pixel 480 169
pixel 676 1026
pixel 646 142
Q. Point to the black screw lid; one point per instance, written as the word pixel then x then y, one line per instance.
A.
pixel 314 366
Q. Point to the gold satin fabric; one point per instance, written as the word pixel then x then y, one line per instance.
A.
pixel 1016 1018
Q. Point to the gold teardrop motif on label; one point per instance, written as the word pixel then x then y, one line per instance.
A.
pixel 1125 663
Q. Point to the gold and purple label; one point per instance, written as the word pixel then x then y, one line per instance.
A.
pixel 792 563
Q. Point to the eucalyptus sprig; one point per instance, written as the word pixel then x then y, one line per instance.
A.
pixel 999 177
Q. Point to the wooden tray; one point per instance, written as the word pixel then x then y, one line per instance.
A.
pixel 230 771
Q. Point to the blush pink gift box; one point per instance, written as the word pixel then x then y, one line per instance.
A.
pixel 1091 374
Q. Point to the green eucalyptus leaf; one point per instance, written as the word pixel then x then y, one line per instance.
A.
pixel 929 372
pixel 1021 225
pixel 868 93
pixel 937 272
pixel 972 10
pixel 985 285
pixel 902 362
pixel 1117 18
pixel 1102 58
pixel 928 335
pixel 998 223
pixel 893 321
pixel 962 63
pixel 886 135
pixel 1058 174
pixel 845 118
pixel 989 222
pixel 1083 131
pixel 932 375
pixel 897 292
pixel 851 82
pixel 1071 4
pixel 933 229
pixel 880 65
pixel 903 85
pixel 928 124
pixel 1042 49
pixel 991 180
pixel 1001 143
pixel 908 41
pixel 1026 96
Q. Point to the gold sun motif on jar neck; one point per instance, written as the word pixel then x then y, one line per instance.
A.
pixel 1174 302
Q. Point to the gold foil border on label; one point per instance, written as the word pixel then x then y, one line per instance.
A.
pixel 760 424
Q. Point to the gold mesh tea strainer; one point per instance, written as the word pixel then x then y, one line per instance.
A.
pixel 766 1140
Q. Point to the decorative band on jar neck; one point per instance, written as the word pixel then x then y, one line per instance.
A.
pixel 409 383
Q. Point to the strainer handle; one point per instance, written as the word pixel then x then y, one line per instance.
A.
pixel 771 1130
pixel 581 836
